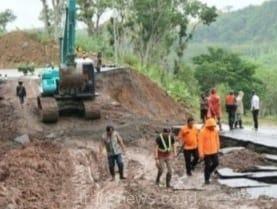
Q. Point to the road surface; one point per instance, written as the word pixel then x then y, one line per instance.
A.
pixel 263 140
pixel 14 74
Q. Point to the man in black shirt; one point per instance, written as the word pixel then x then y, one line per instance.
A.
pixel 21 93
pixel 165 147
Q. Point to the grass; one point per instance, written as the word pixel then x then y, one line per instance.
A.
pixel 248 120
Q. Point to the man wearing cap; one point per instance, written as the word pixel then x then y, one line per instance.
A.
pixel 164 150
pixel 21 93
pixel 114 146
pixel 208 147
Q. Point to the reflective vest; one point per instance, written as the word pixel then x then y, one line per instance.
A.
pixel 166 148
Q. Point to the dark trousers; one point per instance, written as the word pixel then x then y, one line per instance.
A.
pixel 112 159
pixel 203 115
pixel 191 159
pixel 231 110
pixel 21 99
pixel 255 114
pixel 211 162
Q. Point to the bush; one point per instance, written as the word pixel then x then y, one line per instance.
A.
pixel 96 43
pixel 26 68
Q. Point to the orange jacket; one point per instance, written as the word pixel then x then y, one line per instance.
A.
pixel 208 142
pixel 214 106
pixel 230 100
pixel 189 137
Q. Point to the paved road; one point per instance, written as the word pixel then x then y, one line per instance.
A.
pixel 265 138
pixel 14 74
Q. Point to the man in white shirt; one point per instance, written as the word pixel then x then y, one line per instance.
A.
pixel 255 107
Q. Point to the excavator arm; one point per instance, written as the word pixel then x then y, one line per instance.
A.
pixel 69 88
pixel 67 42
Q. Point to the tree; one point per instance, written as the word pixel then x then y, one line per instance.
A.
pixel 202 14
pixel 86 13
pixel 52 16
pixel 221 67
pixel 155 22
pixel 45 16
pixel 58 7
pixel 90 13
pixel 6 17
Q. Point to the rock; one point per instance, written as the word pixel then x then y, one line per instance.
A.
pixel 227 150
pixel 10 206
pixel 262 169
pixel 116 104
pixel 51 136
pixel 241 183
pixel 24 139
pixel 3 191
pixel 229 173
pixel 271 157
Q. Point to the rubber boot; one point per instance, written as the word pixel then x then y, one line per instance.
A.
pixel 240 124
pixel 158 177
pixel 120 168
pixel 168 179
pixel 236 124
pixel 112 172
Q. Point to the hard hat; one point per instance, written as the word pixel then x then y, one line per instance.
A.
pixel 210 122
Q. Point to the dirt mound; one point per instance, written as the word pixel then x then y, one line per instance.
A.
pixel 21 47
pixel 33 177
pixel 242 160
pixel 141 96
pixel 8 127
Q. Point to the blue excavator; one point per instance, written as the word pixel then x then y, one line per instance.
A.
pixel 69 88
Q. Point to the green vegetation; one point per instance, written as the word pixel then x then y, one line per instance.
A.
pixel 254 24
pixel 6 17
pixel 220 67
pixel 251 33
pixel 94 43
pixel 235 50
pixel 26 68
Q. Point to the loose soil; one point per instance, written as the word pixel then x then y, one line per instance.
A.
pixel 242 160
pixel 20 47
pixel 63 168
pixel 23 48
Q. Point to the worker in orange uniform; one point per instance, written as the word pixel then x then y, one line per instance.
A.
pixel 215 107
pixel 189 140
pixel 230 104
pixel 208 147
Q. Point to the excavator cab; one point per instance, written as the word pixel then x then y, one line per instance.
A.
pixel 70 88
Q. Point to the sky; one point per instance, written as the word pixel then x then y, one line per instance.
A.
pixel 27 11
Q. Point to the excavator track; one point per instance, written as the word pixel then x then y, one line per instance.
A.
pixel 48 108
pixel 91 110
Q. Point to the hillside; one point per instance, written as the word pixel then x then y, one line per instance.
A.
pixel 19 47
pixel 251 32
pixel 252 24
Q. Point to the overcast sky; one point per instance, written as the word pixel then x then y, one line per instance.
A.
pixel 27 11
